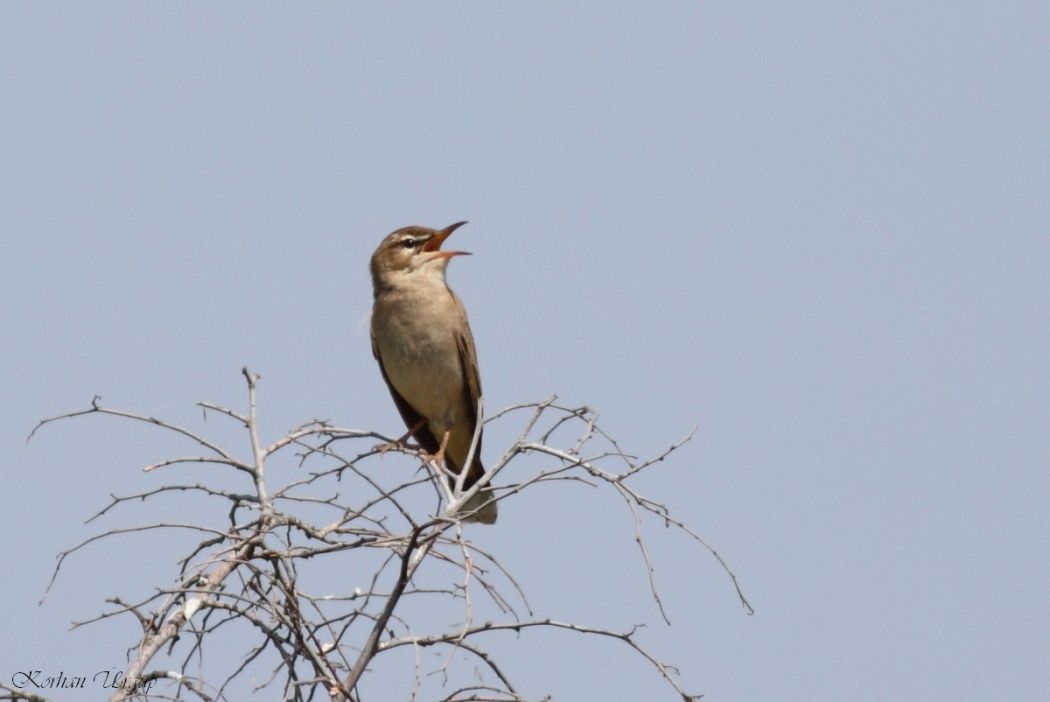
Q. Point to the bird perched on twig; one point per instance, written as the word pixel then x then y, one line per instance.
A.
pixel 422 341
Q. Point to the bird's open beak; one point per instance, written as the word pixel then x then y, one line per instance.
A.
pixel 434 243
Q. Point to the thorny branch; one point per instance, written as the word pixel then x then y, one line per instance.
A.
pixel 256 569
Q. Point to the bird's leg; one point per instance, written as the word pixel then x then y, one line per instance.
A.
pixel 436 463
pixel 400 442
pixel 436 460
pixel 439 457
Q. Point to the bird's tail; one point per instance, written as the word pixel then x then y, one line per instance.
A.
pixel 480 508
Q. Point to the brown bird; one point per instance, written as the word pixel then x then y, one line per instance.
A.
pixel 422 341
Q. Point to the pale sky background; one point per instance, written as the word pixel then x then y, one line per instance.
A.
pixel 818 231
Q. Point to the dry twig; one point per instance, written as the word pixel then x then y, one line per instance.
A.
pixel 259 568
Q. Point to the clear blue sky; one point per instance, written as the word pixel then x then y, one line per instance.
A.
pixel 819 231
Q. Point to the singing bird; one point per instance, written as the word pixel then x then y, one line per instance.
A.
pixel 422 341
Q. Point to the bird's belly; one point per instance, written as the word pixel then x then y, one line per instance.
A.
pixel 428 375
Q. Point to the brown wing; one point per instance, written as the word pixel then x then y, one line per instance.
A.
pixel 469 366
pixel 408 413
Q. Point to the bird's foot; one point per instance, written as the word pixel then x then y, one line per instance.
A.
pixel 399 443
pixel 390 446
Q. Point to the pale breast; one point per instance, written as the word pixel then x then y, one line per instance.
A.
pixel 418 349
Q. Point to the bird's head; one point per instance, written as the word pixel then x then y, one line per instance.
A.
pixel 410 252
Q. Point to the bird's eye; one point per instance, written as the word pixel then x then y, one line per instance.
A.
pixel 408 243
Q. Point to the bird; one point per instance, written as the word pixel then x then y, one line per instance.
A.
pixel 422 341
